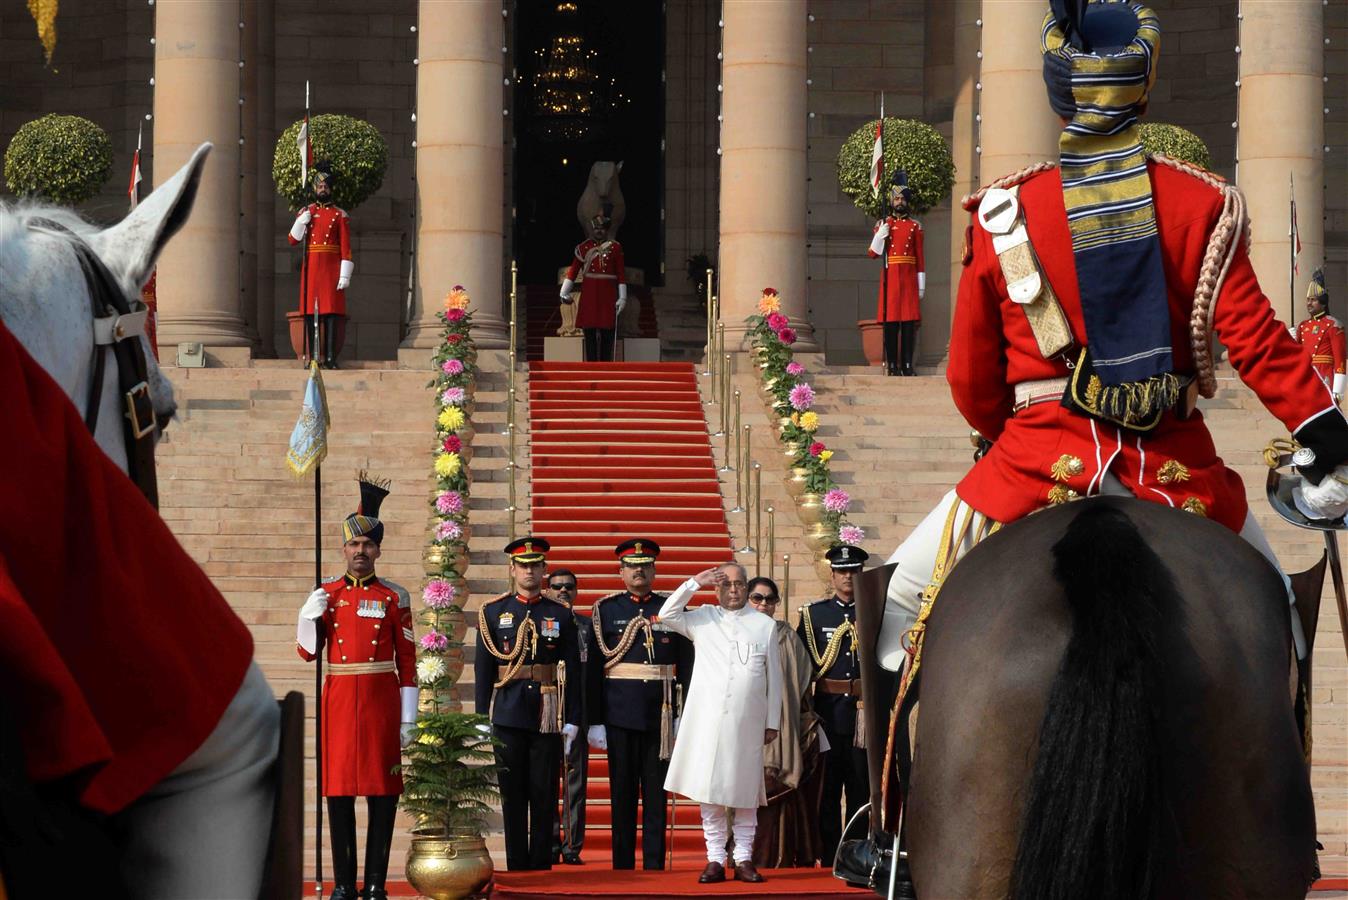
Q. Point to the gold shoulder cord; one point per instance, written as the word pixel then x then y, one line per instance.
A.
pixel 830 656
pixel 614 655
pixel 514 660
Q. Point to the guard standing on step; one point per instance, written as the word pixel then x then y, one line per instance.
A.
pixel 598 267
pixel 529 682
pixel 638 679
pixel 903 281
pixel 1322 336
pixel 828 628
pixel 569 834
pixel 369 697
pixel 327 266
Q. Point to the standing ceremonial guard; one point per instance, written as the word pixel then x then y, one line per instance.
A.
pixel 903 282
pixel 527 652
pixel 369 695
pixel 1323 338
pixel 598 265
pixel 828 628
pixel 644 669
pixel 327 265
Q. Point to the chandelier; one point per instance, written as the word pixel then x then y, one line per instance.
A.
pixel 571 100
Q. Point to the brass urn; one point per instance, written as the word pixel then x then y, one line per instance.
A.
pixel 449 869
pixel 466 434
pixel 435 558
pixel 824 569
pixel 810 506
pixel 820 536
pixel 795 485
pixel 452 621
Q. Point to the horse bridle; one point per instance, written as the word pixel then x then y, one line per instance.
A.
pixel 119 327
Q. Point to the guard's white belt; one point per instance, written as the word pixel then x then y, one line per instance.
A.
pixel 1029 393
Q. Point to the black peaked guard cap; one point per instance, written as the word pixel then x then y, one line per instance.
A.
pixel 846 558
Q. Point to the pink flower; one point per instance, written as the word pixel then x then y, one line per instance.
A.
pixel 452 396
pixel 816 448
pixel 453 338
pixel 795 368
pixel 801 397
pixel 777 321
pixel 837 501
pixel 449 503
pixel 452 367
pixel 787 336
pixel 454 315
pixel 433 640
pixel 437 594
pixel 448 530
pixel 453 444
pixel 851 534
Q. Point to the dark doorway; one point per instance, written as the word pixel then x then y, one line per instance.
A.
pixel 589 87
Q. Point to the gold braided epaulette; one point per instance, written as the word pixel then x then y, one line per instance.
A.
pixel 971 201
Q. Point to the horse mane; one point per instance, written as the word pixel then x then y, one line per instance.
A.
pixel 17 219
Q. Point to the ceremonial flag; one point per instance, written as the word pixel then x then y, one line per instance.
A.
pixel 309 439
pixel 1294 233
pixel 878 151
pixel 133 189
pixel 306 149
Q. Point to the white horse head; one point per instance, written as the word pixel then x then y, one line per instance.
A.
pixel 44 296
pixel 602 190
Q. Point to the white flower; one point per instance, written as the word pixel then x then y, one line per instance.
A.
pixel 430 669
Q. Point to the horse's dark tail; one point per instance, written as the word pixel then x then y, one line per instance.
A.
pixel 1092 817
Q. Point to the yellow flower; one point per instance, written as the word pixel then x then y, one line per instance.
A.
pixel 809 421
pixel 769 303
pixel 451 418
pixel 457 298
pixel 825 455
pixel 447 465
pixel 795 419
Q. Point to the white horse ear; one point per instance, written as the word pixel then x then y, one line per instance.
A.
pixel 620 166
pixel 129 248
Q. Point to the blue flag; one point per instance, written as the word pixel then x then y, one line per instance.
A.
pixel 309 440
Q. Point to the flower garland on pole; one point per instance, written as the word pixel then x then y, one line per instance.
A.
pixel 785 389
pixel 449 780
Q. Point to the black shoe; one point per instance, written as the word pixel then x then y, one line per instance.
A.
pixel 571 859
pixel 374 893
pixel 714 873
pixel 344 892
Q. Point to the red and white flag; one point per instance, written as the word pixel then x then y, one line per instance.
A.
pixel 133 189
pixel 306 151
pixel 1295 233
pixel 878 151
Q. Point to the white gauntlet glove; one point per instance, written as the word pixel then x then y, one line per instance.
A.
pixel 567 286
pixel 407 697
pixel 622 300
pixel 1326 500
pixel 306 632
pixel 344 274
pixel 597 735
pixel 569 733
pixel 301 224
pixel 878 241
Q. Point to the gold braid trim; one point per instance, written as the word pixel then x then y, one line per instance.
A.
pixel 527 636
pixel 824 662
pixel 1279 447
pixel 614 655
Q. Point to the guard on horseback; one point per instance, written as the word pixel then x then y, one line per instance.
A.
pixel 1081 342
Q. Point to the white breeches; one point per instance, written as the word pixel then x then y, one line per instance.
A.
pixel 916 558
pixel 715 830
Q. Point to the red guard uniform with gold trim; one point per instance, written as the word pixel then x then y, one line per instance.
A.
pixel 368 626
pixel 599 289
pixel 898 294
pixel 1044 453
pixel 1323 339
pixel 329 245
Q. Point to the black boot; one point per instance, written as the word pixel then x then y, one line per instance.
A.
pixel 378 840
pixel 342 831
pixel 908 338
pixel 891 344
pixel 329 342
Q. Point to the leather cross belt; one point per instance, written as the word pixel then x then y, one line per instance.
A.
pixel 849 686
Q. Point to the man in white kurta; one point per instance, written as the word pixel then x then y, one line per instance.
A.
pixel 734 707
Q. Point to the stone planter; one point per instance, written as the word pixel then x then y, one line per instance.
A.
pixel 872 341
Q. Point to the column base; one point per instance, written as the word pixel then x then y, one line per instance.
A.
pixel 737 337
pixel 428 336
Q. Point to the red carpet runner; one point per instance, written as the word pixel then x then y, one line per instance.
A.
pixel 621 450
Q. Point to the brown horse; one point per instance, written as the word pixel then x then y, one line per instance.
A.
pixel 1105 713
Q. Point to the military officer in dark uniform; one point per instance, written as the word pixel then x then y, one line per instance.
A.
pixel 569 835
pixel 828 628
pixel 529 681
pixel 638 674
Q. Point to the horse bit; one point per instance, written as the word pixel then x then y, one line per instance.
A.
pixel 116 325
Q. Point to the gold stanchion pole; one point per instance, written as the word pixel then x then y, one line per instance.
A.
pixel 510 370
pixel 711 317
pixel 758 516
pixel 745 464
pixel 739 497
pixel 725 391
pixel 772 543
pixel 786 585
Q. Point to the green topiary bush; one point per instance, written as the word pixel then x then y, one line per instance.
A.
pixel 913 146
pixel 64 159
pixel 1176 142
pixel 355 148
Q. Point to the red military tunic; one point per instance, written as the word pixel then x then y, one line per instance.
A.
pixel 1045 453
pixel 600 266
pixel 898 295
pixel 117 653
pixel 369 627
pixel 329 245
pixel 1323 339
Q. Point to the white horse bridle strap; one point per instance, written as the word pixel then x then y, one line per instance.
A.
pixel 111 329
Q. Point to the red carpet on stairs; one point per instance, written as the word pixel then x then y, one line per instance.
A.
pixel 621 450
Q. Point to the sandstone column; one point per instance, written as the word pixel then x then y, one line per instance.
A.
pixel 1018 127
pixel 460 166
pixel 963 133
pixel 1280 99
pixel 249 174
pixel 196 99
pixel 264 148
pixel 762 240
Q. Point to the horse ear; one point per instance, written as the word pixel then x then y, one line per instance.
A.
pixel 620 166
pixel 129 248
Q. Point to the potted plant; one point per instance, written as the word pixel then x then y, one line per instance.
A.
pixel 64 159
